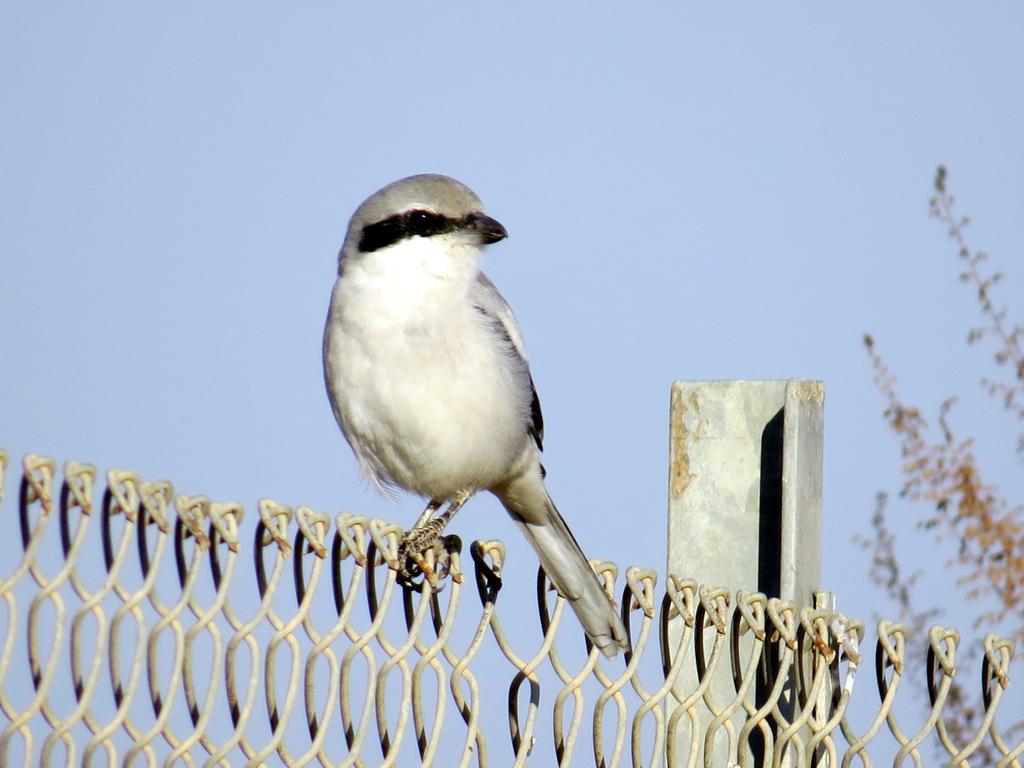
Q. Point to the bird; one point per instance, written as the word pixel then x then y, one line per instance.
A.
pixel 427 375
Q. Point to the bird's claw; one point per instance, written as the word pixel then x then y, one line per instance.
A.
pixel 424 552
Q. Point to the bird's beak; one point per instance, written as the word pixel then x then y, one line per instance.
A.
pixel 490 230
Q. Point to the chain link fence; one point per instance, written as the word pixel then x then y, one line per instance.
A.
pixel 134 634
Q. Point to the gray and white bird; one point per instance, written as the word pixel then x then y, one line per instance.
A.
pixel 427 375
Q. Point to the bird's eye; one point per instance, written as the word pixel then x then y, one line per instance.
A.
pixel 424 223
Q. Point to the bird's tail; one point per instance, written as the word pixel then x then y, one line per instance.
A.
pixel 529 504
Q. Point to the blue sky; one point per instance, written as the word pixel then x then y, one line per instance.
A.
pixel 692 192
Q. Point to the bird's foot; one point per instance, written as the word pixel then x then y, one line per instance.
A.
pixel 423 551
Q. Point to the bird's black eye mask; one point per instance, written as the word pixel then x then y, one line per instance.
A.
pixel 415 222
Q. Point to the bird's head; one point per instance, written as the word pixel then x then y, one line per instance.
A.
pixel 431 216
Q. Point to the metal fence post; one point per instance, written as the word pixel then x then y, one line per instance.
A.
pixel 745 462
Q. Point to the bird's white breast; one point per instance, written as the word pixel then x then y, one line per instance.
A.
pixel 425 390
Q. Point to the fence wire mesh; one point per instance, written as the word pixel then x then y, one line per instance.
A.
pixel 132 636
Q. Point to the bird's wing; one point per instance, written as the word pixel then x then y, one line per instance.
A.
pixel 492 304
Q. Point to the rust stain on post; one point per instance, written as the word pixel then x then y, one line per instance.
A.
pixel 679 468
pixel 809 391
